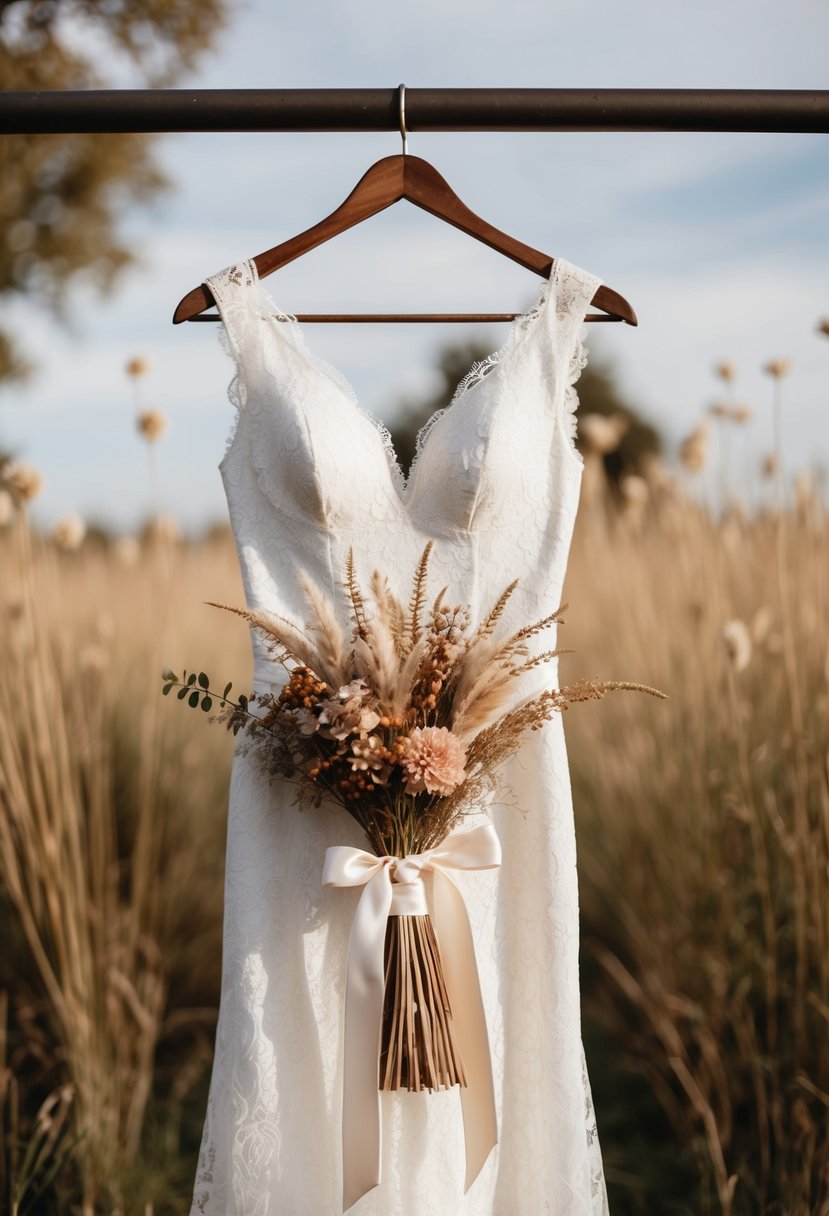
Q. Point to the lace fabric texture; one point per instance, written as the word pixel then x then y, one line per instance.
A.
pixel 495 483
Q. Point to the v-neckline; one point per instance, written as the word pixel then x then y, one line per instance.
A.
pixel 478 371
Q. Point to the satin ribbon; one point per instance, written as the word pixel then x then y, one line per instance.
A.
pixel 393 886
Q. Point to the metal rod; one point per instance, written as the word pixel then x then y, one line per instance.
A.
pixel 499 109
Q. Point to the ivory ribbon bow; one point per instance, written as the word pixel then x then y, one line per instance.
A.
pixel 393 887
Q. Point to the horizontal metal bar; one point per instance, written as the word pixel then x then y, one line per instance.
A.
pixel 371 317
pixel 496 109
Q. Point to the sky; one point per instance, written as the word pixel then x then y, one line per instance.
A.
pixel 720 241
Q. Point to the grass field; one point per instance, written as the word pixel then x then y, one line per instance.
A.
pixel 703 837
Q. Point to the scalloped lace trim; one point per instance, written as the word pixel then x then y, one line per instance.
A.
pixel 578 362
pixel 518 328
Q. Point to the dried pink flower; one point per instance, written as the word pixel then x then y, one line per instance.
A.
pixel 434 760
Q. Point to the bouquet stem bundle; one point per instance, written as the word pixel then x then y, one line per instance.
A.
pixel 418 1048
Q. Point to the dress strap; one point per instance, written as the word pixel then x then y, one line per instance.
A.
pixel 235 290
pixel 571 290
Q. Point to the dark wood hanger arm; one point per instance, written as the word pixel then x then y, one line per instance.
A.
pixel 386 182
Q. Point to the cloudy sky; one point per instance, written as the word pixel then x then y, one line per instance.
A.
pixel 721 242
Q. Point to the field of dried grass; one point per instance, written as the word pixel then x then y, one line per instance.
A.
pixel 702 826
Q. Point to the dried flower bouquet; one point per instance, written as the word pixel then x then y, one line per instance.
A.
pixel 405 724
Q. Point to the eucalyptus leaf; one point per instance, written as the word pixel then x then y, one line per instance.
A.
pixel 191 679
pixel 226 692
pixel 165 690
pixel 203 680
pixel 182 693
pixel 207 704
pixel 194 699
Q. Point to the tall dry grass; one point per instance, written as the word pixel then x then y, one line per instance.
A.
pixel 703 830
pixel 111 852
pixel 704 838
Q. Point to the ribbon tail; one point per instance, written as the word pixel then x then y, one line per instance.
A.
pixel 365 981
pixel 457 951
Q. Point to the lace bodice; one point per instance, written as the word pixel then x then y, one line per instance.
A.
pixel 497 469
pixel 495 483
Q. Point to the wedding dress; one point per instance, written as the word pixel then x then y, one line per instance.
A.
pixel 495 484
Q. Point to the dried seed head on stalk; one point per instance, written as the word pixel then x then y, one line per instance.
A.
pixel 496 743
pixel 634 490
pixel 602 433
pixel 693 451
pixel 736 641
pixel 358 608
pixel 282 636
pixel 69 532
pixel 138 366
pixel 375 659
pixel 478 705
pixel 390 611
pixel 777 368
pixel 726 371
pixel 491 619
pixel 484 682
pixel 24 480
pixel 418 594
pixel 514 644
pixel 151 424
pixel 334 666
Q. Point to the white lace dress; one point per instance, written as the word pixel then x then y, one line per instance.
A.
pixel 495 485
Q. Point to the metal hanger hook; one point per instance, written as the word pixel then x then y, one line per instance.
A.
pixel 401 93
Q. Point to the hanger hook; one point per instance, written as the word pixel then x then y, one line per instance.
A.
pixel 401 93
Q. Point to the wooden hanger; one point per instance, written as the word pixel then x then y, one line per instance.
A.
pixel 387 181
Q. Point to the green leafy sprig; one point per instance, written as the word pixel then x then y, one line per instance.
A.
pixel 196 688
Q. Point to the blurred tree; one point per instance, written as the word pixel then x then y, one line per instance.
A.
pixel 598 391
pixel 61 195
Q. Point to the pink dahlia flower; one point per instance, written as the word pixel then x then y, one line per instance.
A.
pixel 434 760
